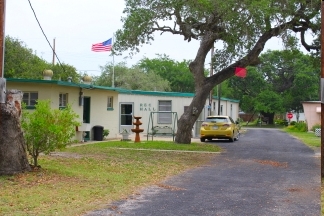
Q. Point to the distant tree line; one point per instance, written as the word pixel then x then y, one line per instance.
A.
pixel 277 84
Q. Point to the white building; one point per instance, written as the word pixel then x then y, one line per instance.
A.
pixel 114 108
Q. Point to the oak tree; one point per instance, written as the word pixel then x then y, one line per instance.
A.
pixel 177 73
pixel 13 157
pixel 22 62
pixel 278 84
pixel 243 27
pixel 133 78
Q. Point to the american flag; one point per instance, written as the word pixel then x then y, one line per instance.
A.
pixel 102 47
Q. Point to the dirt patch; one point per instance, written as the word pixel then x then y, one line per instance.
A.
pixel 294 189
pixel 272 163
pixel 65 155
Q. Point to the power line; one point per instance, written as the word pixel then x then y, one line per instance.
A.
pixel 45 36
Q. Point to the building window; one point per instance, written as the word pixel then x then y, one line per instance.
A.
pixel 110 103
pixel 63 100
pixel 165 115
pixel 221 109
pixel 30 99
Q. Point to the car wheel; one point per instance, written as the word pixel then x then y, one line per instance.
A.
pixel 237 136
pixel 231 139
pixel 202 139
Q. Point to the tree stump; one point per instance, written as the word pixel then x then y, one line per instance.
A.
pixel 13 155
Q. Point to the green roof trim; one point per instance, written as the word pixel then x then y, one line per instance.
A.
pixel 167 94
pixel 119 90
pixel 62 83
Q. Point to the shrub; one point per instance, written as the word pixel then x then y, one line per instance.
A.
pixel 105 132
pixel 240 120
pixel 254 122
pixel 301 126
pixel 47 129
pixel 281 122
pixel 293 123
pixel 315 127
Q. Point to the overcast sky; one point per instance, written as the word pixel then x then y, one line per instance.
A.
pixel 77 24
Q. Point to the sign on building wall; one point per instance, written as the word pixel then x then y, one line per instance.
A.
pixel 147 107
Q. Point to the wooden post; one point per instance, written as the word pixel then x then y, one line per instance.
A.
pixel 211 74
pixel 2 90
pixel 53 61
pixel 2 46
pixel 322 86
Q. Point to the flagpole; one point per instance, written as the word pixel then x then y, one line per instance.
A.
pixel 113 69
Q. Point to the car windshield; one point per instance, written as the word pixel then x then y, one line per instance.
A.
pixel 216 119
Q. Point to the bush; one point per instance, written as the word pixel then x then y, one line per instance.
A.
pixel 47 129
pixel 299 126
pixel 302 126
pixel 293 123
pixel 281 122
pixel 240 120
pixel 254 122
pixel 105 132
pixel 315 127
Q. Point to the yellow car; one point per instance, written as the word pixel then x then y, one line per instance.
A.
pixel 220 127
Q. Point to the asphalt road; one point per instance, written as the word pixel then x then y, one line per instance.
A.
pixel 266 173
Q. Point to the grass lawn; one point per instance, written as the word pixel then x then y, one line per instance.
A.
pixel 308 138
pixel 88 177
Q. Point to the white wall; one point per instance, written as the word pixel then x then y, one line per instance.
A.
pixel 99 115
pixel 98 111
pixel 143 105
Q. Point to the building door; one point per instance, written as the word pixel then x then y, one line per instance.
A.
pixel 126 117
pixel 86 114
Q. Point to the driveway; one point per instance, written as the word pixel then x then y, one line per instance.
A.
pixel 266 172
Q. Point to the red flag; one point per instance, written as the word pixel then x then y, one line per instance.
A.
pixel 240 72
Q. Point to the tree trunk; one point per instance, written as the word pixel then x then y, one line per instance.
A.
pixel 203 85
pixel 13 156
pixel 188 118
pixel 35 158
pixel 269 116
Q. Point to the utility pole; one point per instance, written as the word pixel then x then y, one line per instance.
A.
pixel 53 61
pixel 322 90
pixel 2 47
pixel 113 69
pixel 211 74
pixel 219 98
